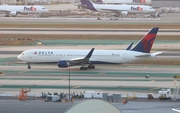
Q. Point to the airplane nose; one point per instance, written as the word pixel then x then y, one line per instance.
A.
pixel 19 57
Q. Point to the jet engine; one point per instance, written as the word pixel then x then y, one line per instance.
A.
pixel 63 64
pixel 124 13
pixel 13 13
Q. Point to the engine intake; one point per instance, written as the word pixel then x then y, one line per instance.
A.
pixel 63 64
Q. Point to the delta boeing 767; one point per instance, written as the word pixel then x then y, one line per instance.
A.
pixel 66 58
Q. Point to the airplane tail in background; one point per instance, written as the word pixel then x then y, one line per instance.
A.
pixel 145 44
pixel 88 4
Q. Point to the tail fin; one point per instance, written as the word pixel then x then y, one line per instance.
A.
pixel 145 44
pixel 88 4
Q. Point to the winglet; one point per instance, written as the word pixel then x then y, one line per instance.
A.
pixel 129 47
pixel 145 44
pixel 90 53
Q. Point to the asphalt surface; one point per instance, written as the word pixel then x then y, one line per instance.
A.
pixel 133 106
pixel 86 31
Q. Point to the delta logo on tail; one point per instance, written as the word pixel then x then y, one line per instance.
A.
pixel 136 8
pixel 32 8
pixel 147 41
pixel 139 1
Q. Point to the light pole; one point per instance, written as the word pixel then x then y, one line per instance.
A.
pixel 69 83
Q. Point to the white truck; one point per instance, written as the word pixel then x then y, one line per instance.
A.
pixel 164 94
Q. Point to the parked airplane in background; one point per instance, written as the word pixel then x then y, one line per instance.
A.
pixel 14 10
pixel 121 9
pixel 139 2
pixel 66 58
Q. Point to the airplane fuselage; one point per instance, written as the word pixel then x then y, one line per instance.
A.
pixel 98 56
pixel 131 9
pixel 23 9
pixel 144 2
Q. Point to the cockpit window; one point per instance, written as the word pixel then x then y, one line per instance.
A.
pixel 43 8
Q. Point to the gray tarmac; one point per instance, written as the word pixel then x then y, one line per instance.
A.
pixel 86 31
pixel 133 106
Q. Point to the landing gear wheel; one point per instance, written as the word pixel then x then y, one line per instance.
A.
pixel 6 15
pixel 91 67
pixel 83 68
pixel 29 67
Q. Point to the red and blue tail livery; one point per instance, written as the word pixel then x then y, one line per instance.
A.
pixel 145 44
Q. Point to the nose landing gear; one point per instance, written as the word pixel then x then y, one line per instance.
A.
pixel 29 66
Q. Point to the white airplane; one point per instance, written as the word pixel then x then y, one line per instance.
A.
pixel 176 110
pixel 142 2
pixel 14 10
pixel 121 9
pixel 66 58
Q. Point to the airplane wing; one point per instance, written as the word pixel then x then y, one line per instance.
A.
pixel 113 10
pixel 176 110
pixel 82 60
pixel 76 61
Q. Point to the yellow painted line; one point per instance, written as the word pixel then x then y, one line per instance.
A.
pixel 154 88
pixel 76 87
pixel 152 80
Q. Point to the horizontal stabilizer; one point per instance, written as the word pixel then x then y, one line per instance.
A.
pixel 155 54
pixel 144 55
pixel 149 55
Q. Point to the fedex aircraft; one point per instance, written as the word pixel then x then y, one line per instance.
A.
pixel 121 9
pixel 142 2
pixel 14 10
pixel 66 58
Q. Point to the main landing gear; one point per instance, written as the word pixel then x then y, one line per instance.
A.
pixel 89 67
pixel 29 66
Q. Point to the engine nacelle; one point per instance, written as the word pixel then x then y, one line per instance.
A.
pixel 124 13
pixel 63 64
pixel 13 13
